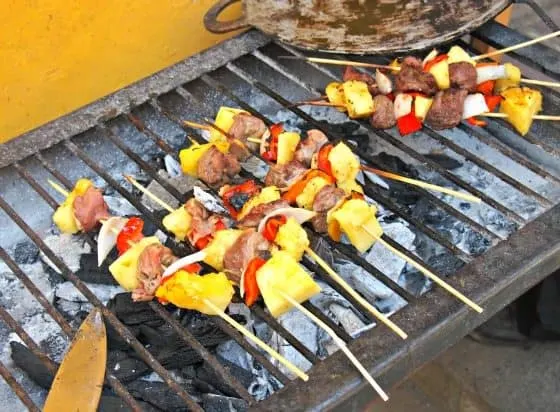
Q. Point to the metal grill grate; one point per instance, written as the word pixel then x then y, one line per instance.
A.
pixel 520 246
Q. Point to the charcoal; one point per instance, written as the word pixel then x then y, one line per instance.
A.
pixel 445 263
pixel 207 374
pixel 205 387
pixel 444 161
pixel 31 365
pixel 111 403
pixel 124 367
pixel 396 164
pixel 26 253
pixel 188 372
pixel 218 403
pixel 345 128
pixel 89 272
pixel 167 347
pixel 133 313
pixel 160 395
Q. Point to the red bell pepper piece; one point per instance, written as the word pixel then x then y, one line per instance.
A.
pixel 486 88
pixel 250 284
pixel 409 123
pixel 435 60
pixel 192 268
pixel 272 153
pixel 323 162
pixel 294 190
pixel 235 197
pixel 476 122
pixel 493 101
pixel 130 234
pixel 272 226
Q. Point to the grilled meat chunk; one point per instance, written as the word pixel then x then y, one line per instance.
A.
pixel 203 223
pixel 90 208
pixel 447 109
pixel 249 245
pixel 255 215
pixel 307 148
pixel 462 75
pixel 411 78
pixel 350 73
pixel 216 168
pixel 325 200
pixel 246 126
pixel 283 176
pixel 384 115
pixel 151 263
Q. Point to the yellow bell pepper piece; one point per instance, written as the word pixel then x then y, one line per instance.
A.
pixel 189 291
pixel 422 106
pixel 64 217
pixel 356 218
pixel 287 143
pixel 282 273
pixel 521 104
pixel 457 54
pixel 267 195
pixel 440 71
pixel 218 246
pixel 190 156
pixel 307 196
pixel 292 238
pixel 125 268
pixel 357 99
pixel 335 95
pixel 178 222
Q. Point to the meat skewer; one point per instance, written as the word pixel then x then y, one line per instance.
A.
pixel 181 289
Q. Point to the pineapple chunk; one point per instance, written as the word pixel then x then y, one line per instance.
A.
pixel 64 217
pixel 521 104
pixel 440 71
pixel 292 238
pixel 504 84
pixel 125 268
pixel 190 156
pixel 357 220
pixel 344 164
pixel 307 196
pixel 224 120
pixel 267 195
pixel 218 246
pixel 190 291
pixel 422 106
pixel 350 186
pixel 513 73
pixel 357 99
pixel 335 94
pixel 457 55
pixel 178 222
pixel 287 143
pixel 282 273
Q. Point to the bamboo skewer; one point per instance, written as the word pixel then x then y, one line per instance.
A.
pixel 535 117
pixel 436 279
pixel 517 46
pixel 540 82
pixel 317 103
pixel 341 62
pixel 338 279
pixel 294 369
pixel 339 342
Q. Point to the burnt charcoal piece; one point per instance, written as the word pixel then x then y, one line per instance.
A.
pixel 345 128
pixel 133 313
pixel 114 340
pixel 110 403
pixel 396 165
pixel 445 264
pixel 89 272
pixel 167 347
pixel 160 395
pixel 444 161
pixel 205 387
pixel 207 374
pixel 31 365
pixel 124 367
pixel 26 253
pixel 218 403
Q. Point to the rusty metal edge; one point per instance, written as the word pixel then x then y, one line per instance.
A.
pixel 129 97
pixel 435 323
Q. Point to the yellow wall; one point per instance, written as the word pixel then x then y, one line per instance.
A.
pixel 58 55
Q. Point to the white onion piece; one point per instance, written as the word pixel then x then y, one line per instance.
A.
pixel 300 215
pixel 403 105
pixel 264 141
pixel 474 105
pixel 107 238
pixel 242 284
pixel 184 261
pixel 431 56
pixel 383 82
pixel 486 73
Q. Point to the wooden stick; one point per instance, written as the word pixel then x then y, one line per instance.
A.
pixel 427 273
pixel 338 279
pixel 541 82
pixel 195 125
pixel 254 140
pixel 517 46
pixel 420 183
pixel 144 190
pixel 58 188
pixel 294 369
pixel 214 126
pixel 315 103
pixel 535 117
pixel 341 62
pixel 339 342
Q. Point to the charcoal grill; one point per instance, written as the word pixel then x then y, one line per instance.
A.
pixel 246 71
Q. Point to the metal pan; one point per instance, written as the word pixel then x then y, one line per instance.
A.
pixel 359 26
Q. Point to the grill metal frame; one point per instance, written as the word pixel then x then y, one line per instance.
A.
pixel 433 321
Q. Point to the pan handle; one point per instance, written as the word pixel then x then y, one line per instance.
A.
pixel 211 18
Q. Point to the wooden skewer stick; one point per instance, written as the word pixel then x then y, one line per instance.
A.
pixel 517 46
pixel 339 342
pixel 338 279
pixel 420 183
pixel 214 126
pixel 535 117
pixel 144 190
pixel 294 369
pixel 317 103
pixel 196 125
pixel 541 82
pixel 341 62
pixel 58 188
pixel 427 273
pixel 254 140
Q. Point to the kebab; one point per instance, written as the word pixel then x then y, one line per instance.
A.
pixel 139 269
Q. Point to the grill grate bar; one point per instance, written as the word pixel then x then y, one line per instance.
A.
pixel 108 315
pixel 18 389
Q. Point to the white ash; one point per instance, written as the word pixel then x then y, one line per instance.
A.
pixel 256 167
pixel 70 293
pixel 66 247
pixel 119 206
pixel 210 202
pixel 172 166
pixel 373 178
pixel 182 183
